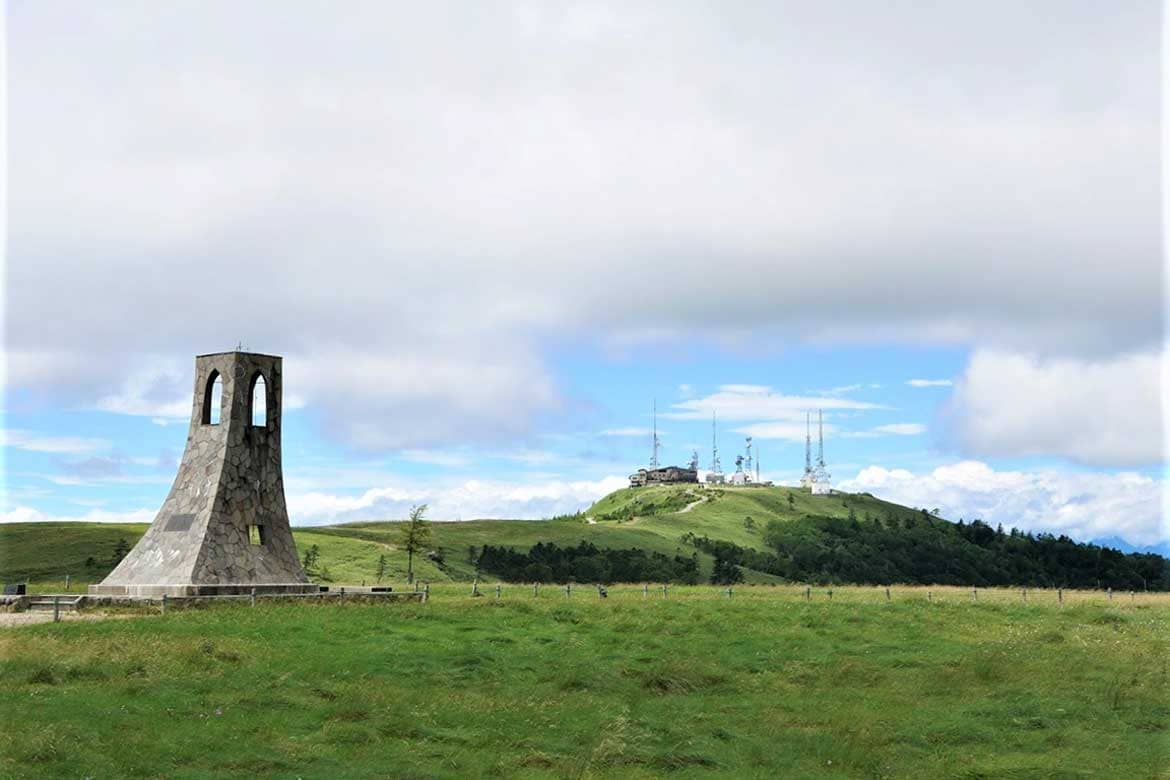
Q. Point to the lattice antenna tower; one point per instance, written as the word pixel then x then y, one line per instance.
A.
pixel 655 443
pixel 820 439
pixel 716 466
pixel 748 459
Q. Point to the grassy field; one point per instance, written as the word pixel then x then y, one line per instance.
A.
pixel 647 518
pixel 761 684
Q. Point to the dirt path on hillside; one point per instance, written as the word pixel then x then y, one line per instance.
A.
pixel 691 505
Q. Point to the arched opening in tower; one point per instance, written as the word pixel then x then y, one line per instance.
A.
pixel 212 399
pixel 258 403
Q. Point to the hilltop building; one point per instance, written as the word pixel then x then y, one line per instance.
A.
pixel 663 475
pixel 666 475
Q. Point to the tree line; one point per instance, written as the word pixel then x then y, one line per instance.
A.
pixel 584 563
pixel 918 548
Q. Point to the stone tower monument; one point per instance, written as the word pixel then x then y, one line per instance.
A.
pixel 223 528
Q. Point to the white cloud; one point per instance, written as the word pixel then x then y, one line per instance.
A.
pixel 1082 505
pixel 929 382
pixel 901 429
pixel 465 501
pixel 846 389
pixel 782 431
pixel 893 429
pixel 758 402
pixel 24 514
pixel 59 445
pixel 627 432
pixel 442 224
pixel 448 459
pixel 418 399
pixel 1104 412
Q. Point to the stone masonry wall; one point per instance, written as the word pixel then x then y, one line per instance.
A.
pixel 229 478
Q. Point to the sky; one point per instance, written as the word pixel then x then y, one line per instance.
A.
pixel 487 238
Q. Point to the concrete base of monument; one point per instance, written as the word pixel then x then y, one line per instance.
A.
pixel 189 589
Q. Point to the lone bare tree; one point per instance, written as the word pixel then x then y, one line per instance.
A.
pixel 415 534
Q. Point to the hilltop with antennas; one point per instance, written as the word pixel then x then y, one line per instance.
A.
pixel 816 478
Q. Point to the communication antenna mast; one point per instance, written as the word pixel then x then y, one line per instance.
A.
pixel 748 459
pixel 716 467
pixel 757 464
pixel 694 460
pixel 820 440
pixel 654 442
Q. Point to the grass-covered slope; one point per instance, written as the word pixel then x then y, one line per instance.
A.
pixel 768 534
pixel 653 519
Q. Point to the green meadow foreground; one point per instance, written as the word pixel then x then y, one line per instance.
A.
pixel 758 684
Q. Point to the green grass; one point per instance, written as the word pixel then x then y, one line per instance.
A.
pixel 648 518
pixel 694 685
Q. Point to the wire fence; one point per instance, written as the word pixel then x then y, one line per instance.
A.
pixel 803 593
pixel 645 592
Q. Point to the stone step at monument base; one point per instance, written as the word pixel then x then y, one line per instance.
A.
pixel 192 589
pixel 43 603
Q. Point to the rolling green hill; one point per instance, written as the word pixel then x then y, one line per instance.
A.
pixel 766 534
pixel 653 519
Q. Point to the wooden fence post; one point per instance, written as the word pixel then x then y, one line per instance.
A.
pixel 807 592
pixel 1060 596
pixel 974 594
pixel 475 587
pixel 426 593
pixel 568 590
pixel 254 596
pixel 1025 592
pixel 930 595
pixel 887 593
pixel 645 590
pixel 535 589
pixel 66 582
pixel 56 609
pixel 164 604
pixel 497 590
pixel 1109 593
pixel 830 594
